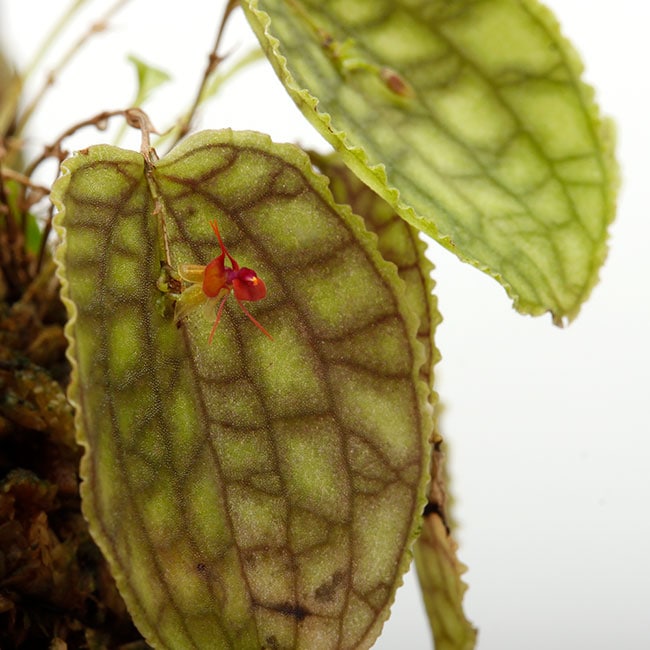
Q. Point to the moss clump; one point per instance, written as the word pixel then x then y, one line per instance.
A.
pixel 55 588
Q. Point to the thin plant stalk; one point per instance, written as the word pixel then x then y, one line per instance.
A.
pixel 95 28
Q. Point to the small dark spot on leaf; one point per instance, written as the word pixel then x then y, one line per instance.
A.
pixel 270 643
pixel 327 39
pixel 325 592
pixel 295 611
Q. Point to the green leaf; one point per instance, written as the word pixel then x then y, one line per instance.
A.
pixel 438 568
pixel 249 493
pixel 149 78
pixel 219 79
pixel 399 243
pixel 470 119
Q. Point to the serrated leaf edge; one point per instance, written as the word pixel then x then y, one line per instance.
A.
pixel 356 158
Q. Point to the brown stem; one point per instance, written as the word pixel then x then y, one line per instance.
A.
pixel 13 258
pixel 95 28
pixel 47 228
pixel 39 190
pixel 54 150
pixel 4 203
pixel 213 61
pixel 135 117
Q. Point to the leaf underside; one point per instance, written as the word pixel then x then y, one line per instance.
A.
pixel 249 493
pixel 470 119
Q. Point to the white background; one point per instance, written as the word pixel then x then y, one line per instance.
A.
pixel 548 428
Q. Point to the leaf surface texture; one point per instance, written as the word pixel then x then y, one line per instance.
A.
pixel 249 493
pixel 470 119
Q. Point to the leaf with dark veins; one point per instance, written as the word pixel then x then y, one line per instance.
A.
pixel 439 570
pixel 249 493
pixel 470 119
pixel 398 242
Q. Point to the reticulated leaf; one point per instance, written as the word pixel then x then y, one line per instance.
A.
pixel 438 568
pixel 399 243
pixel 470 119
pixel 249 493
